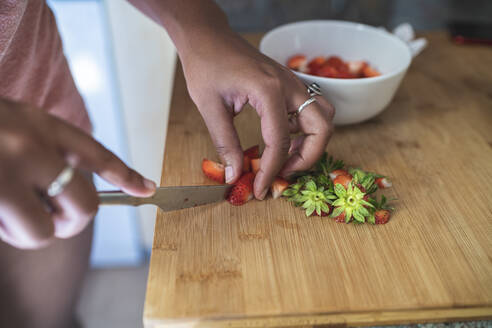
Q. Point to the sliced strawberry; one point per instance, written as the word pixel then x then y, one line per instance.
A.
pixel 253 152
pixel 383 183
pixel 382 216
pixel 355 67
pixel 255 165
pixel 340 218
pixel 315 64
pixel 278 187
pixel 213 170
pixel 345 75
pixel 344 180
pixel 246 164
pixel 368 71
pixel 335 62
pixel 297 63
pixel 335 173
pixel 327 71
pixel 242 191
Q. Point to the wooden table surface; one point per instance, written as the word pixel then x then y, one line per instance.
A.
pixel 266 264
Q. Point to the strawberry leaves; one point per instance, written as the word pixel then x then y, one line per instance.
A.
pixel 316 193
pixel 351 201
pixel 314 198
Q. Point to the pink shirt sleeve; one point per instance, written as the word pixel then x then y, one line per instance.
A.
pixel 33 68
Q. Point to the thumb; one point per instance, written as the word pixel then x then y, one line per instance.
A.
pixel 220 125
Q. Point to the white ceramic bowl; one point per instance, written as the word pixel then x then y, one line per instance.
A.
pixel 355 100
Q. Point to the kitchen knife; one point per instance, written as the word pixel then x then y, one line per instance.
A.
pixel 169 198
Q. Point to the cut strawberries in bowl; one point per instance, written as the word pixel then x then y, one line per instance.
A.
pixel 338 51
pixel 332 67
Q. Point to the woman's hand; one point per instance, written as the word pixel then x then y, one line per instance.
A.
pixel 34 148
pixel 223 73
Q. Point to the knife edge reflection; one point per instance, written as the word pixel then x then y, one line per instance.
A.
pixel 170 198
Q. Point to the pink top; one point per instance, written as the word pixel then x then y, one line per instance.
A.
pixel 33 68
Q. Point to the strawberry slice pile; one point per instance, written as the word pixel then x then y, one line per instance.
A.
pixel 242 191
pixel 332 66
pixel 329 189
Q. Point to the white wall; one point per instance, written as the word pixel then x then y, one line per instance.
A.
pixel 83 28
pixel 145 60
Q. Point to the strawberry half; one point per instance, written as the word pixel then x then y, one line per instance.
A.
pixel 336 62
pixel 355 67
pixel 382 216
pixel 315 64
pixel 297 62
pixel 213 170
pixel 368 71
pixel 246 164
pixel 327 71
pixel 242 191
pixel 383 183
pixel 344 180
pixel 255 165
pixel 278 187
pixel 252 152
pixel 335 173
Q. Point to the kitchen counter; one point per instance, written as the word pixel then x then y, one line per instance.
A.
pixel 266 264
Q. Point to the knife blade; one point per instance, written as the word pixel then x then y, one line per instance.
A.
pixel 169 198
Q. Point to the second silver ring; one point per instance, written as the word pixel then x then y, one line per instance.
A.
pixel 305 104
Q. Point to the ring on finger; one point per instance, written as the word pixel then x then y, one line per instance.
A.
pixel 304 105
pixel 61 181
pixel 314 89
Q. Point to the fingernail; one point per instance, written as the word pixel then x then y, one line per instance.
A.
pixel 229 173
pixel 263 194
pixel 149 184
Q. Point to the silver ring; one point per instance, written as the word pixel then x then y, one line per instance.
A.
pixel 306 103
pixel 314 90
pixel 60 182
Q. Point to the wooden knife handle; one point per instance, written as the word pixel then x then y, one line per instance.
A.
pixel 120 198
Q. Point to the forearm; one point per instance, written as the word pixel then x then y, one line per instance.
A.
pixel 188 22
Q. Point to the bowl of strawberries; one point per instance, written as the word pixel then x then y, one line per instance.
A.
pixel 358 67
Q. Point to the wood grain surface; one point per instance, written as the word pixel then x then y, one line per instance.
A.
pixel 266 264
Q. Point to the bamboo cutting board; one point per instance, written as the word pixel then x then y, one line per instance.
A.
pixel 266 264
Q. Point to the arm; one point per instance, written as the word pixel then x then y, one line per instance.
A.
pixel 223 73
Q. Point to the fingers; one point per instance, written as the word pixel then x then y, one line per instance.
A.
pixel 76 205
pixel 25 222
pixel 92 156
pixel 219 121
pixel 316 123
pixel 295 144
pixel 275 131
